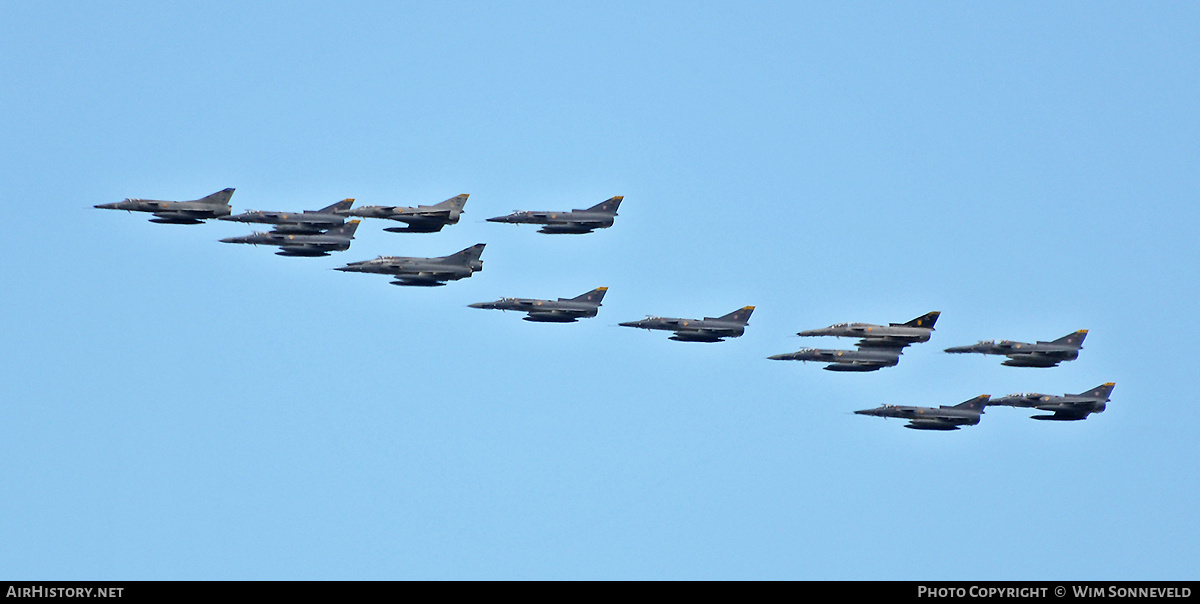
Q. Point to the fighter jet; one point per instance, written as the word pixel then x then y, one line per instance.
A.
pixel 1024 354
pixel 599 216
pixel 319 244
pixel 421 219
pixel 708 329
pixel 563 310
pixel 912 332
pixel 1069 407
pixel 429 272
pixel 178 212
pixel 307 222
pixel 879 346
pixel 865 358
pixel 929 418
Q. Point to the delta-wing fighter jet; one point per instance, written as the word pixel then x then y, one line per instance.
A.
pixel 599 216
pixel 708 329
pixel 912 332
pixel 178 212
pixel 930 418
pixel 308 222
pixel 428 272
pixel 421 219
pixel 878 346
pixel 318 244
pixel 1024 354
pixel 1068 407
pixel 865 358
pixel 562 310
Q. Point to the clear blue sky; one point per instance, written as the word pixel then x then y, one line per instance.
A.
pixel 175 408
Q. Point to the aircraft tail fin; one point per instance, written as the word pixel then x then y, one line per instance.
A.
pixel 339 206
pixel 596 295
pixel 925 320
pixel 608 206
pixel 454 203
pixel 220 198
pixel 1101 392
pixel 346 229
pixel 470 254
pixel 977 403
pixel 741 315
pixel 1073 339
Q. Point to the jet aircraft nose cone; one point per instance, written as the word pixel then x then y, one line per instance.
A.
pixel 778 357
pixel 229 240
pixel 106 206
pixel 631 324
pixel 478 305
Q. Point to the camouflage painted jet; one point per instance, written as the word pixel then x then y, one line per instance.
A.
pixel 1023 354
pixel 599 216
pixel 1069 407
pixel 912 332
pixel 930 418
pixel 307 222
pixel 178 212
pixel 563 310
pixel 879 346
pixel 319 244
pixel 429 272
pixel 865 358
pixel 421 219
pixel 708 329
